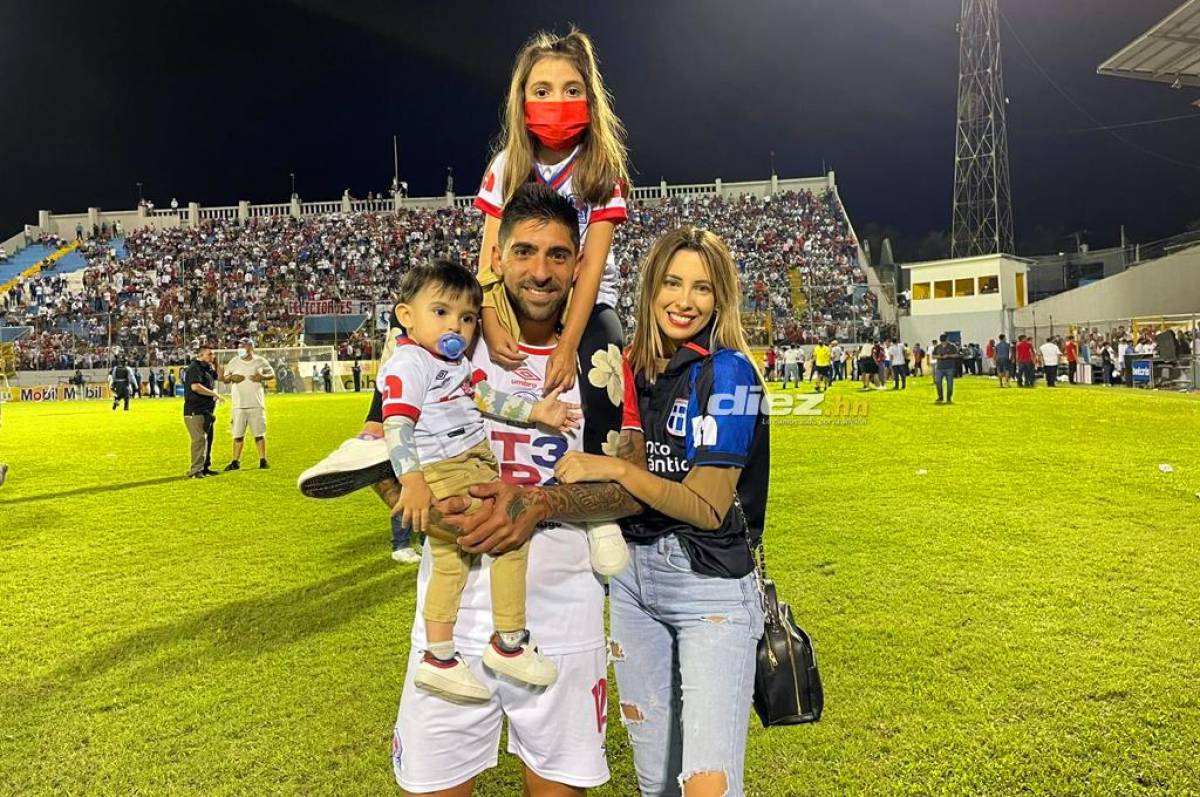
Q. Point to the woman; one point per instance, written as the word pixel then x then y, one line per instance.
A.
pixel 695 450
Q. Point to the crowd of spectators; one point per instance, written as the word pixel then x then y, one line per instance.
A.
pixel 179 286
pixel 791 237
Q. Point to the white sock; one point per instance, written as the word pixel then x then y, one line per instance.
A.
pixel 511 640
pixel 442 650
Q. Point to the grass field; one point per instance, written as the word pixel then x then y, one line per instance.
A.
pixel 1004 595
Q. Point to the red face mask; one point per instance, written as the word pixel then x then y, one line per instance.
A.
pixel 558 125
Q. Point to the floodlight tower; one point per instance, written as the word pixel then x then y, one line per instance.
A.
pixel 982 222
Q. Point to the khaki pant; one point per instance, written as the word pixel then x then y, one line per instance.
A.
pixel 196 428
pixel 451 564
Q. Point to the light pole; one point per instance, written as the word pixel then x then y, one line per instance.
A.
pixel 293 176
pixel 139 185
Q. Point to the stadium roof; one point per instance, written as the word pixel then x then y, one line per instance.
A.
pixel 1167 53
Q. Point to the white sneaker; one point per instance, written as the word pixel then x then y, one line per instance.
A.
pixel 525 664
pixel 451 680
pixel 606 545
pixel 357 463
pixel 406 556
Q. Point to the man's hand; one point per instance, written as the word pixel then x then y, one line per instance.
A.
pixel 235 378
pixel 505 521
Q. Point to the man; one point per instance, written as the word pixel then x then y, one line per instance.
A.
pixel 792 358
pixel 947 357
pixel 1050 356
pixel 327 378
pixel 1003 355
pixel 1025 372
pixel 899 366
pixel 879 358
pixel 823 365
pixel 200 401
pixel 918 356
pixel 316 379
pixel 837 354
pixel 357 372
pixel 120 378
pixel 3 465
pixel 1071 352
pixel 248 373
pixel 558 732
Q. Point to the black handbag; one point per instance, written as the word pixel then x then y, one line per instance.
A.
pixel 787 684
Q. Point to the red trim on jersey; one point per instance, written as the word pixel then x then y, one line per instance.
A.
pixel 615 215
pixel 562 176
pixel 525 347
pixel 488 208
pixel 478 376
pixel 696 347
pixel 394 408
pixel 631 416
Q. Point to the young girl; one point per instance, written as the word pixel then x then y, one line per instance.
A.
pixel 559 128
pixel 686 614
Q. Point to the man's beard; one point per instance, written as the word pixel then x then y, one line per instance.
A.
pixel 535 312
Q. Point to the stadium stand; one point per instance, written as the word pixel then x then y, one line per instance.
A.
pixel 158 291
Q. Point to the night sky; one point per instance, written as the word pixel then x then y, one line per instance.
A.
pixel 215 102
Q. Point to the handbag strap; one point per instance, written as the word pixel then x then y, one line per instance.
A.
pixel 758 554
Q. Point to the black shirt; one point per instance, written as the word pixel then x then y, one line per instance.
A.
pixel 674 415
pixel 194 403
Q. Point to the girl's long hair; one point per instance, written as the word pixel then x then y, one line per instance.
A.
pixel 601 162
pixel 650 345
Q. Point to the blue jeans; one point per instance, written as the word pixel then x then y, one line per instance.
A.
pixel 401 534
pixel 683 648
pixel 945 375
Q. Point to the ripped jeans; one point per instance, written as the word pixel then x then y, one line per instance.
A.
pixel 683 648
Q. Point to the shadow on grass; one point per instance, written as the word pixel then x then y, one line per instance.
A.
pixel 93 490
pixel 239 629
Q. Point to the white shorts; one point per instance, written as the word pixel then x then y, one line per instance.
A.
pixel 255 418
pixel 558 732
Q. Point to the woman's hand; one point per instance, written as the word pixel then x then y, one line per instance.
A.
pixel 576 466
pixel 502 349
pixel 562 368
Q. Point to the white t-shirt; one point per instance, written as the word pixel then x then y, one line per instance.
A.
pixel 793 357
pixel 559 177
pixel 564 601
pixel 438 395
pixel 248 395
pixel 1050 354
pixel 896 354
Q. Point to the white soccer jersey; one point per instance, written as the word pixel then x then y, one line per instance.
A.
pixel 559 177
pixel 564 598
pixel 438 395
pixel 248 395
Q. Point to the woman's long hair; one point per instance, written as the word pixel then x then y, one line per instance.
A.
pixel 601 162
pixel 650 345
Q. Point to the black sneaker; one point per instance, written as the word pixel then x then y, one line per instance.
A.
pixel 262 464
pixel 235 465
pixel 209 472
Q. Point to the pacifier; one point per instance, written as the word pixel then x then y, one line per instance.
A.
pixel 451 345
